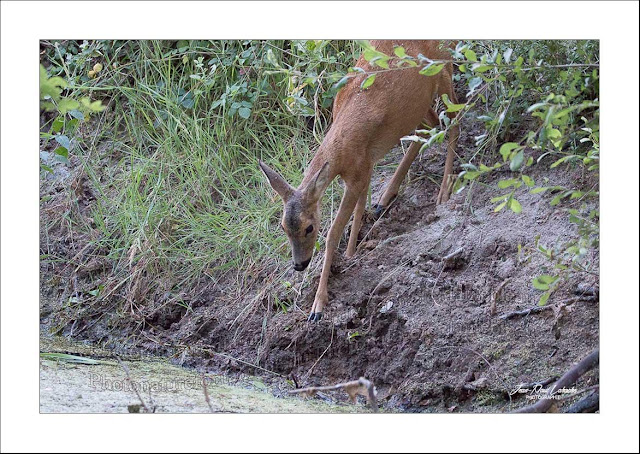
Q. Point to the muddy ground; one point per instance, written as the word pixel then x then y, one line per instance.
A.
pixel 415 323
pixel 139 384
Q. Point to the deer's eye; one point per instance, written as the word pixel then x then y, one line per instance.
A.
pixel 309 230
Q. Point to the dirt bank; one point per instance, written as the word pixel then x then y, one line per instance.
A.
pixel 402 312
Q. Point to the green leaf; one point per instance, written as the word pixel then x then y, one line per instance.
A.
pixel 481 68
pixel 244 112
pixel 500 197
pixel 499 207
pixel 73 359
pixel 51 87
pixel 76 114
pixel 543 281
pixel 61 154
pixel 341 82
pixel 553 133
pixel 432 69
pixel 505 149
pixel 470 55
pixel 399 51
pixel 543 298
pixel 556 200
pixel 46 167
pixel 503 184
pixel 475 83
pixel 62 151
pixel 455 107
pixel 368 82
pixel 559 161
pixel 471 175
pixel 517 161
pixel 528 180
pixel 57 124
pixel 515 206
pixel 64 141
pixel 67 104
pixel 381 61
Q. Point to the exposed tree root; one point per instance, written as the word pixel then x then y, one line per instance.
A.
pixel 568 379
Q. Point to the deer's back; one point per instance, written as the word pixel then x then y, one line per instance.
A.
pixel 396 103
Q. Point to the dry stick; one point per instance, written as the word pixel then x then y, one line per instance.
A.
pixel 206 393
pixel 362 386
pixel 537 309
pixel 577 393
pixel 132 383
pixel 544 383
pixel 568 379
pixel 447 259
pixel 588 404
pixel 495 296
pixel 214 353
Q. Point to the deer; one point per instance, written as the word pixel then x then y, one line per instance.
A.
pixel 366 125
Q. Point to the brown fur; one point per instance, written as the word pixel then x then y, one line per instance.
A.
pixel 366 125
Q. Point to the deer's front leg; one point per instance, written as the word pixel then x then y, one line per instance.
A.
pixel 333 238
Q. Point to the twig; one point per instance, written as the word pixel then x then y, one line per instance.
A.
pixel 215 353
pixel 495 296
pixel 132 383
pixel 206 393
pixel 450 259
pixel 542 384
pixel 577 393
pixel 531 310
pixel 537 309
pixel 362 387
pixel 588 404
pixel 568 379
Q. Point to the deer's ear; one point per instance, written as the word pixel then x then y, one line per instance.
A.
pixel 279 184
pixel 318 184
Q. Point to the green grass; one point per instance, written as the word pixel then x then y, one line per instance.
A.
pixel 176 178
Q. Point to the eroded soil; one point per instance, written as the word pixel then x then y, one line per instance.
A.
pixel 415 323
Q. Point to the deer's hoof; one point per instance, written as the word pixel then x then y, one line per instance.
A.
pixel 315 317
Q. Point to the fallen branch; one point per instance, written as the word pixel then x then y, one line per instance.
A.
pixel 568 379
pixel 588 404
pixel 536 309
pixel 541 384
pixel 362 387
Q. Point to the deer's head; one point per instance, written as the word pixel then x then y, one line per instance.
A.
pixel 301 216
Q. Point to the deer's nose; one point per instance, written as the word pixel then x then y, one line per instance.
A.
pixel 301 266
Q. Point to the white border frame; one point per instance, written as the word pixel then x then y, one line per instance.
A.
pixel 615 23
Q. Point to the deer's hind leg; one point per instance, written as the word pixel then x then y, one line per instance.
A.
pixel 398 177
